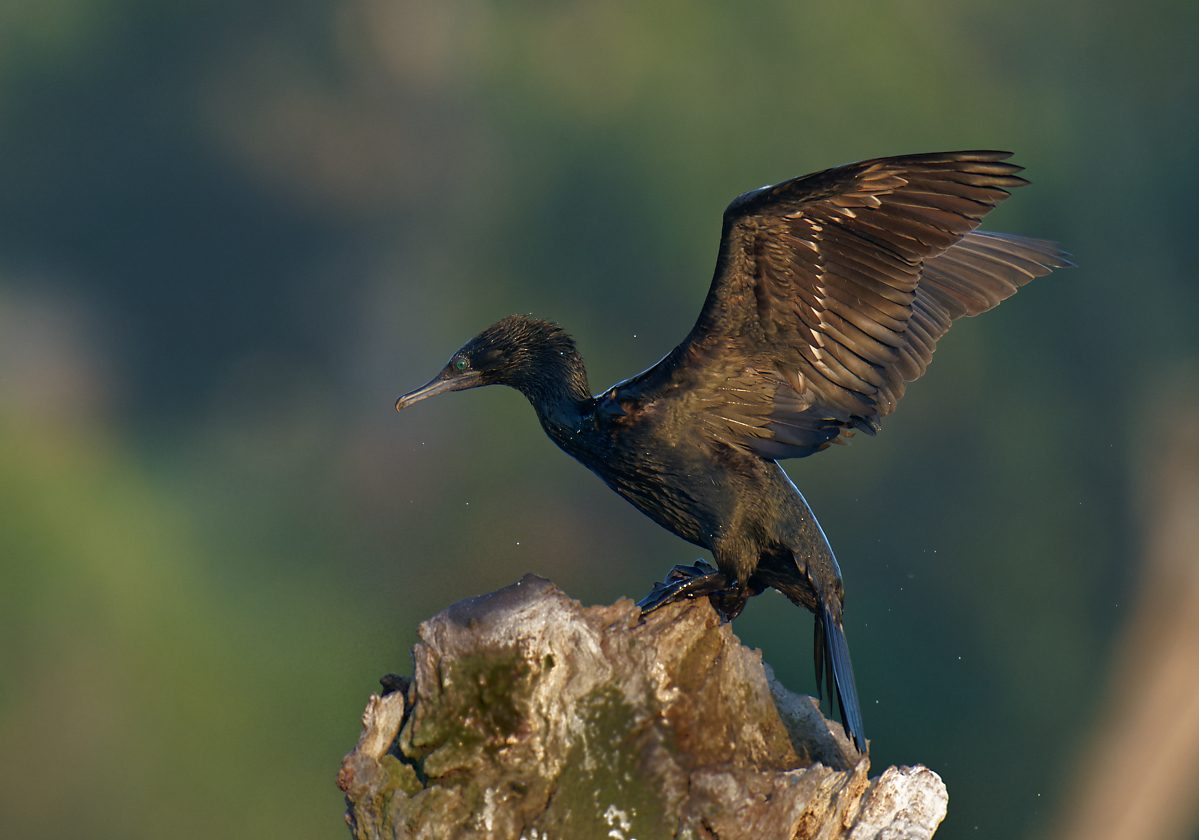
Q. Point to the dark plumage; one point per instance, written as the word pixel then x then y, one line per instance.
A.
pixel 830 294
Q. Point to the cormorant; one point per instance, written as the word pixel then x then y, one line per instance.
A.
pixel 830 293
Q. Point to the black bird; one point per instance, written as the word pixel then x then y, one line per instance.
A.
pixel 830 293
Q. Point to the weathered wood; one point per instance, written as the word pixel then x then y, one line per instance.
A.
pixel 531 716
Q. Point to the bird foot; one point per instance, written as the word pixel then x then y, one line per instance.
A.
pixel 683 582
pixel 696 581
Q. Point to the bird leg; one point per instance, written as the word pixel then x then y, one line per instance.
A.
pixel 697 581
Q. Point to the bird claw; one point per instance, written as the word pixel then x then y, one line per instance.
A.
pixel 729 602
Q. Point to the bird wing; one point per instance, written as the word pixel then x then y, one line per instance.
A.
pixel 831 291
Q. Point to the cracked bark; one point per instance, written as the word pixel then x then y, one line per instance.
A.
pixel 531 716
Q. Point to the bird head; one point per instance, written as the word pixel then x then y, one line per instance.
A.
pixel 526 353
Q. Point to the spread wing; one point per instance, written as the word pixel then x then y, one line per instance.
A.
pixel 831 291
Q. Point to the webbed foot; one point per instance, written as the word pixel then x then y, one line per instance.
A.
pixel 684 582
pixel 697 581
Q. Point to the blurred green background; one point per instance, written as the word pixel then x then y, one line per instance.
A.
pixel 231 234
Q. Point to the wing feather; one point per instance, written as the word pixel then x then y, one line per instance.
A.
pixel 832 290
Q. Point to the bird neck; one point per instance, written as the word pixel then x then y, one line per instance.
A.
pixel 557 388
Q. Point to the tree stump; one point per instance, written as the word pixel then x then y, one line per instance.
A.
pixel 531 716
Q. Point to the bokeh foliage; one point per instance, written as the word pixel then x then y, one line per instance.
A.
pixel 231 233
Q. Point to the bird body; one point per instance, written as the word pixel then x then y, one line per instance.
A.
pixel 829 295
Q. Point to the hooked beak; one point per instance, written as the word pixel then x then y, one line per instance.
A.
pixel 439 384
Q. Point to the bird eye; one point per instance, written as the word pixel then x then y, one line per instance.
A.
pixel 460 364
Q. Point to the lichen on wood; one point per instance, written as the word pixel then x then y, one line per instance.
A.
pixel 531 716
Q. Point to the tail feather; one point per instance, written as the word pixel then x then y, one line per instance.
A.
pixel 832 649
pixel 818 656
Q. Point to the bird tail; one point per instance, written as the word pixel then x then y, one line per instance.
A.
pixel 832 663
